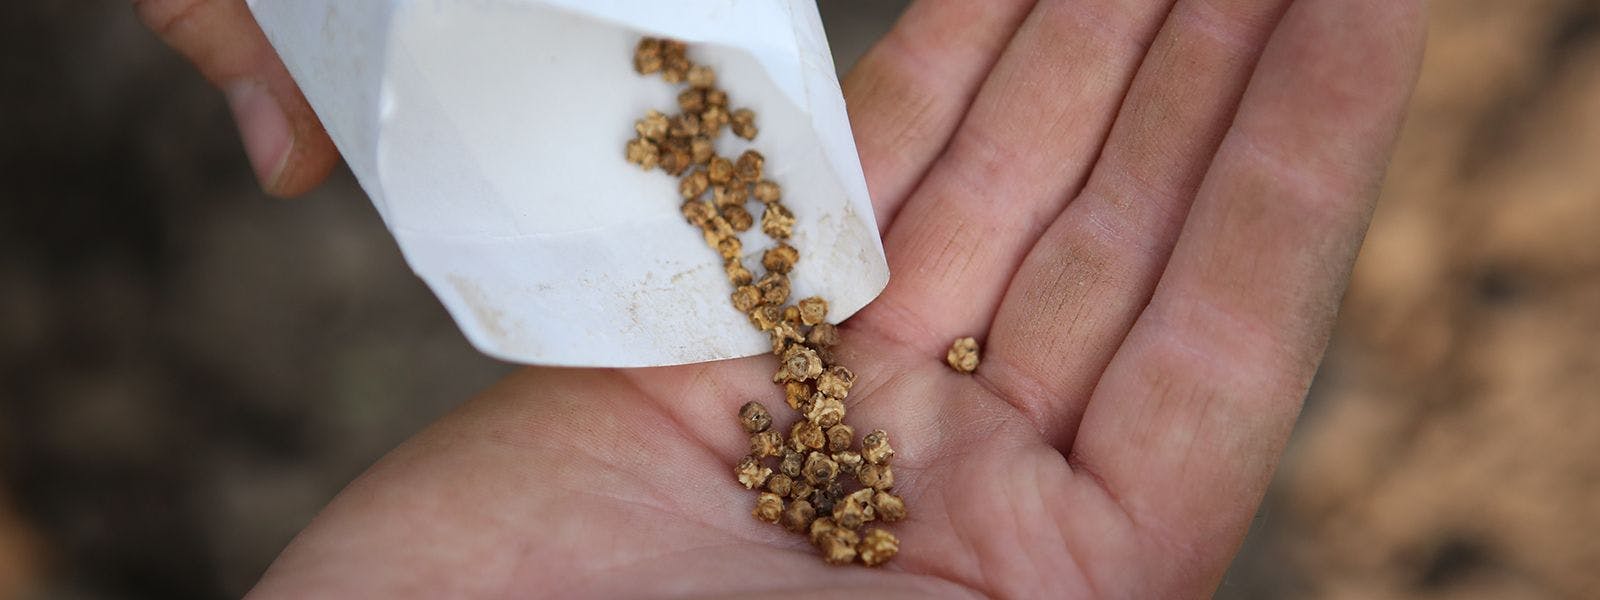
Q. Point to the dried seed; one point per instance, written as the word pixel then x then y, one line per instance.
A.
pixel 765 317
pixel 805 436
pixel 769 507
pixel 849 461
pixel 744 123
pixel 825 411
pixel 796 391
pixel 819 528
pixel 729 195
pixel 878 477
pixel 716 97
pixel 799 364
pixel 875 447
pixel 766 443
pixel 823 335
pixel 780 258
pixel 730 248
pixel 721 170
pixel 777 222
pixel 746 298
pixel 891 508
pixel 738 275
pixel 748 167
pixel 836 381
pixel 840 438
pixel 819 469
pixel 644 153
pixel 839 546
pixel 702 76
pixel 754 417
pixel 963 355
pixel 653 126
pixel 791 465
pixel 713 119
pixel 798 516
pixel 854 510
pixel 684 126
pixel 676 69
pixel 647 56
pixel 774 288
pixel 783 334
pixel 791 315
pixel 824 496
pixel 877 547
pixel 693 185
pixel 768 192
pixel 751 473
pixel 701 150
pixel 692 100
pixel 738 218
pixel 813 310
pixel 698 212
pixel 675 161
pixel 780 484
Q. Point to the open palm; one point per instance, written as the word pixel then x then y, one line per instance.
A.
pixel 1146 211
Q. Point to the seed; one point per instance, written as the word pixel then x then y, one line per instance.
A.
pixel 878 477
pixel 730 248
pixel 697 212
pixel 769 507
pixel 800 490
pixel 784 333
pixel 721 170
pixel 963 355
pixel 791 315
pixel 751 473
pixel 774 288
pixel 798 517
pixel 824 496
pixel 820 469
pixel 748 168
pixel 805 436
pixel 765 317
pixel 754 416
pixel 693 185
pixel 675 161
pixel 701 150
pixel 878 547
pixel 823 335
pixel 891 508
pixel 799 364
pixel 776 221
pixel 813 310
pixel 836 381
pixel 840 437
pixel 713 119
pixel 738 218
pixel 825 411
pixel 644 153
pixel 766 443
pixel 702 76
pixel 692 100
pixel 820 528
pixel 744 123
pixel 727 196
pixel 875 447
pixel 791 465
pixel 780 484
pixel 653 126
pixel 746 298
pixel 768 192
pixel 738 275
pixel 716 97
pixel 780 258
pixel 676 68
pixel 849 461
pixel 647 56
pixel 684 126
pixel 854 510
pixel 839 545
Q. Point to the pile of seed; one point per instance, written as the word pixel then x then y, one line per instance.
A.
pixel 811 493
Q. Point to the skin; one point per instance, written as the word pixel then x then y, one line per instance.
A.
pixel 1145 210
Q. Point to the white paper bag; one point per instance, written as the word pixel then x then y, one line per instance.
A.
pixel 489 135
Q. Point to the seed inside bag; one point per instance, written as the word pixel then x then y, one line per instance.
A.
pixel 806 494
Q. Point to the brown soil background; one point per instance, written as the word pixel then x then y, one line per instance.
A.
pixel 189 370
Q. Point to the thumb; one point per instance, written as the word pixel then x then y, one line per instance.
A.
pixel 287 146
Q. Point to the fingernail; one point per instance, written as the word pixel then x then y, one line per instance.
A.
pixel 264 129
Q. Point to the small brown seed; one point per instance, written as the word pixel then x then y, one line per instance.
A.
pixel 746 298
pixel 653 126
pixel 769 507
pixel 684 126
pixel 768 192
pixel 754 417
pixel 738 218
pixel 744 123
pixel 891 508
pixel 796 391
pixel 875 447
pixel 839 546
pixel 720 170
pixel 692 100
pixel 780 484
pixel 854 510
pixel 647 56
pixel 738 275
pixel 676 69
pixel 783 334
pixel 820 469
pixel 824 496
pixel 840 437
pixel 693 185
pixel 963 355
pixel 877 547
pixel 825 411
pixel 765 444
pixel 791 314
pixel 805 436
pixel 701 150
pixel 675 162
pixel 791 465
pixel 765 317
pixel 836 381
pixel 751 473
pixel 780 258
pixel 800 490
pixel 819 528
pixel 799 363
pixel 713 119
pixel 698 212
pixel 748 167
pixel 774 288
pixel 849 461
pixel 813 310
pixel 702 76
pixel 777 222
pixel 878 477
pixel 799 515
pixel 716 97
pixel 730 248
pixel 644 153
pixel 823 335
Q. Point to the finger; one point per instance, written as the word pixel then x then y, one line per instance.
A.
pixel 1023 149
pixel 1187 424
pixel 1083 285
pixel 287 147
pixel 908 92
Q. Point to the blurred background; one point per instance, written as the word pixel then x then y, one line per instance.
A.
pixel 190 370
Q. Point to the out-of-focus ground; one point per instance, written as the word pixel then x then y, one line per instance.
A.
pixel 189 370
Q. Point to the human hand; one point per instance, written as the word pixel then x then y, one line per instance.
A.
pixel 286 144
pixel 1149 217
